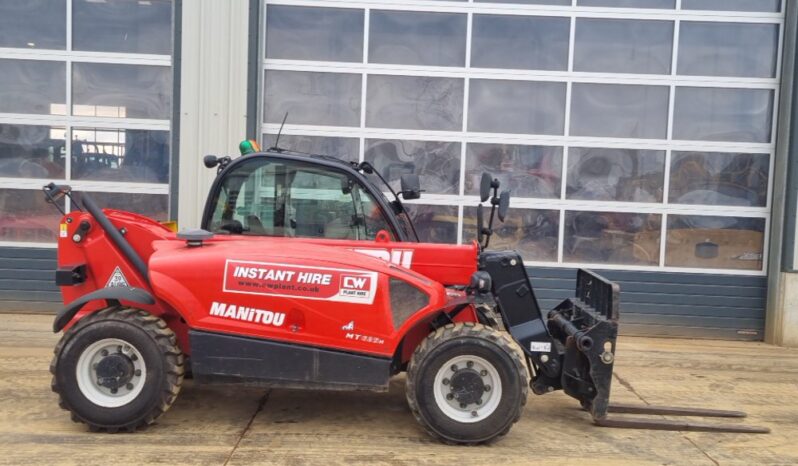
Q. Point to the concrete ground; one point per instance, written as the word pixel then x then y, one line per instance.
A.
pixel 215 425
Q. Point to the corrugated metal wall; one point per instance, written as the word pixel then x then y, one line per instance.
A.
pixel 673 304
pixel 213 95
pixel 27 280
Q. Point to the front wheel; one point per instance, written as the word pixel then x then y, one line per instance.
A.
pixel 467 383
pixel 117 369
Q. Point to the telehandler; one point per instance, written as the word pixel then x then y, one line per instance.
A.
pixel 305 275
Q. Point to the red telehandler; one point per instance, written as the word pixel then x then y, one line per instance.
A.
pixel 305 275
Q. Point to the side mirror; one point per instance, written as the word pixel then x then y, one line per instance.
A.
pixel 504 205
pixel 484 186
pixel 220 163
pixel 411 186
pixel 480 224
pixel 366 167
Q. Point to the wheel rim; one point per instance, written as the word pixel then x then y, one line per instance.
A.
pixel 111 372
pixel 467 388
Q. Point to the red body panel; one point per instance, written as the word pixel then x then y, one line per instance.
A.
pixel 445 263
pixel 319 292
pixel 100 255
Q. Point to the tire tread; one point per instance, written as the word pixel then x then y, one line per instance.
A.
pixel 456 330
pixel 164 338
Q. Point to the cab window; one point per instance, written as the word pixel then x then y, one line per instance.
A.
pixel 286 198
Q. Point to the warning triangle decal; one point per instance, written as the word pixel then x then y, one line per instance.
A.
pixel 117 279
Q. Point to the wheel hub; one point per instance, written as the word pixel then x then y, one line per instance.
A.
pixel 467 386
pixel 114 371
pixel 111 372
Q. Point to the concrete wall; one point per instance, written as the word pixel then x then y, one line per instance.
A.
pixel 783 325
pixel 213 95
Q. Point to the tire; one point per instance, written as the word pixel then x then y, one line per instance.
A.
pixel 136 351
pixel 481 355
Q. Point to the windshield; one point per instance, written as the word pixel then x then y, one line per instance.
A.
pixel 274 197
pixel 404 220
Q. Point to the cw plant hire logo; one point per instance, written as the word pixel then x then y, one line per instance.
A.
pixel 300 281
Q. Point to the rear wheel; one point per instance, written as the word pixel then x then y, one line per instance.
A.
pixel 117 369
pixel 467 383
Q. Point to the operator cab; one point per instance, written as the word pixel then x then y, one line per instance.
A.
pixel 286 194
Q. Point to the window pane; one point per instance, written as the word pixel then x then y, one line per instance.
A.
pixel 516 107
pixel 34 24
pixel 735 115
pixel 715 242
pixel 436 163
pixel 623 46
pixel 374 220
pixel 122 26
pixel 304 33
pixel 715 178
pixel 520 42
pixel 252 201
pixel 528 2
pixel 728 49
pixel 414 102
pixel 129 155
pixel 615 174
pixel 526 171
pixel 733 5
pixel 434 223
pixel 629 3
pixel 32 86
pixel 32 151
pixel 612 238
pixel 155 206
pixel 121 91
pixel 317 206
pixel 534 233
pixel 26 216
pixel 343 148
pixel 272 197
pixel 312 98
pixel 417 38
pixel 619 110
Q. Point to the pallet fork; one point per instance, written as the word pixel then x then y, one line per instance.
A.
pixel 575 349
pixel 667 424
pixel 593 317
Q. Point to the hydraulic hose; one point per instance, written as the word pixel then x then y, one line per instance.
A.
pixel 116 237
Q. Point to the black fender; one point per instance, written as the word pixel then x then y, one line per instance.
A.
pixel 110 295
